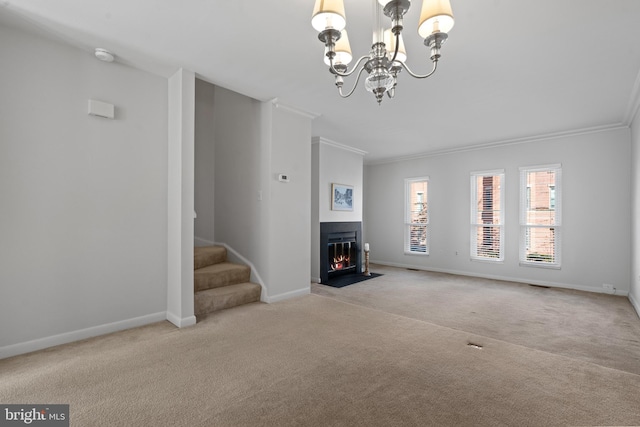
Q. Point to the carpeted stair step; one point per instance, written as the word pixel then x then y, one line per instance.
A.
pixel 221 274
pixel 208 255
pixel 226 297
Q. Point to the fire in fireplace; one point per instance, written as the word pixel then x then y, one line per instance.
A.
pixel 340 256
pixel 340 263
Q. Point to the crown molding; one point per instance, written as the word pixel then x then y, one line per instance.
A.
pixel 504 143
pixel 299 111
pixel 325 141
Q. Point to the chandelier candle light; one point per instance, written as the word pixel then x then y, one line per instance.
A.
pixel 388 55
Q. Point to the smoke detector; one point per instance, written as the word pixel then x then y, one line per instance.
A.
pixel 104 55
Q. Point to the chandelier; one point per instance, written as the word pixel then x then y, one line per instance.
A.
pixel 388 55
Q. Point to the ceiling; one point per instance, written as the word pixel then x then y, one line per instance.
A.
pixel 510 71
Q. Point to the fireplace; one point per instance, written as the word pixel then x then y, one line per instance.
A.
pixel 340 249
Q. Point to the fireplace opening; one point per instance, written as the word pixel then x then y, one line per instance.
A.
pixel 340 247
pixel 342 256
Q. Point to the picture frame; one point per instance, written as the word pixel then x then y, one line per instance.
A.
pixel 341 197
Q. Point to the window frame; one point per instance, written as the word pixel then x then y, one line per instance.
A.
pixel 556 226
pixel 473 247
pixel 407 216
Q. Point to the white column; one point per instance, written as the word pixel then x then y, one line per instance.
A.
pixel 180 198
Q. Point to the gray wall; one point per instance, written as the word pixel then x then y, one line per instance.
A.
pixel 204 163
pixel 596 180
pixel 83 211
pixel 341 166
pixel 264 220
pixel 290 204
pixel 634 293
pixel 236 171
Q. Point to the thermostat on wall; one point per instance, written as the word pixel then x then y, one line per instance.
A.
pixel 283 177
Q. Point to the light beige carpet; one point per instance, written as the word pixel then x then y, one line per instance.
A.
pixel 599 328
pixel 317 361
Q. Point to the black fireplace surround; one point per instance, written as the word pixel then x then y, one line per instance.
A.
pixel 340 243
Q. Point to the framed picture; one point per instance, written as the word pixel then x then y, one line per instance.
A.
pixel 341 197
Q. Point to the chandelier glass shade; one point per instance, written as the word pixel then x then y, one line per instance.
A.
pixel 388 56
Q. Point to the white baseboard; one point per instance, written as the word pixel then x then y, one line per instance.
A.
pixel 67 337
pixel 316 280
pixel 181 322
pixel 507 279
pixel 635 304
pixel 290 294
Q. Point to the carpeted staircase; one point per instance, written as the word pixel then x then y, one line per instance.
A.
pixel 219 284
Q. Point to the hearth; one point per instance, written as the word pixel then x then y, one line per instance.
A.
pixel 340 249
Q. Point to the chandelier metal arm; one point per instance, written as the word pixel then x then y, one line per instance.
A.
pixel 348 73
pixel 395 53
pixel 355 85
pixel 417 76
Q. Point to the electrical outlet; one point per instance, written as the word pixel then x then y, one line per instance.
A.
pixel 608 286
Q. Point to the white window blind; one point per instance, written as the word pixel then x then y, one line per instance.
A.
pixel 487 215
pixel 416 222
pixel 540 215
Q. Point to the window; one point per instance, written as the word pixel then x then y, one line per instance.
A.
pixel 487 213
pixel 416 222
pixel 540 219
